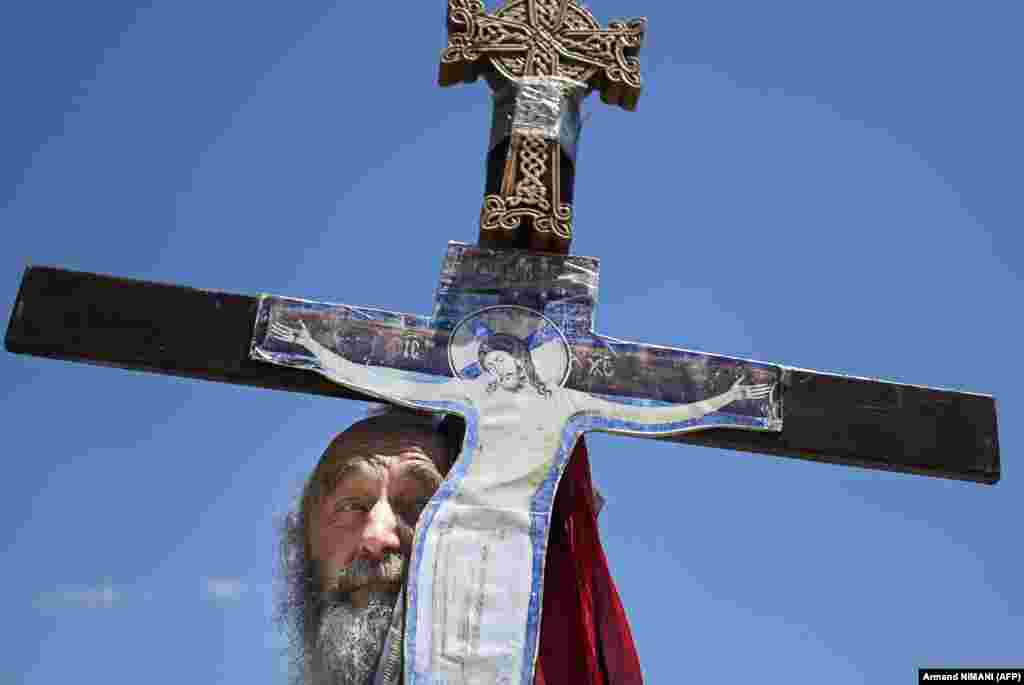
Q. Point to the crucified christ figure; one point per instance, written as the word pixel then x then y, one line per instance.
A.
pixel 477 561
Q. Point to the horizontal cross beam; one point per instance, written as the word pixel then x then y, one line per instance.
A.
pixel 145 326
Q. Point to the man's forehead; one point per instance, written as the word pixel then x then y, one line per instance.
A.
pixel 388 452
pixel 379 440
pixel 366 470
pixel 374 462
pixel 382 450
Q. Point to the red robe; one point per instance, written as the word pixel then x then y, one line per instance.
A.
pixel 584 635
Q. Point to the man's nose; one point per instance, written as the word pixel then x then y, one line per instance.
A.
pixel 381 533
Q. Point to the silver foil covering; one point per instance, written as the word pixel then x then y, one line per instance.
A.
pixel 544 106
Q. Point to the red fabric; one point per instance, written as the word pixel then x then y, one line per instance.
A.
pixel 584 635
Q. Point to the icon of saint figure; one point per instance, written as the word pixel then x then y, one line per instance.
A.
pixel 477 560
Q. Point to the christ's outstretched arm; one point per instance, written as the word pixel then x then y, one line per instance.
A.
pixel 655 418
pixel 387 384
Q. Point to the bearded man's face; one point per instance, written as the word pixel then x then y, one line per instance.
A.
pixel 359 533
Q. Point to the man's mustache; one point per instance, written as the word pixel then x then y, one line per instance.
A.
pixel 390 570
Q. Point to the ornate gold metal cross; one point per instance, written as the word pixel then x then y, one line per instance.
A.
pixel 541 57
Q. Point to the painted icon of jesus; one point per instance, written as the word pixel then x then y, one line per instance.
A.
pixel 477 563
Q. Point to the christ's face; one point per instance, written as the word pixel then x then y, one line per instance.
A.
pixel 505 368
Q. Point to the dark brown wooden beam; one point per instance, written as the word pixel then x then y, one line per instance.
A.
pixel 876 425
pixel 152 327
pixel 144 326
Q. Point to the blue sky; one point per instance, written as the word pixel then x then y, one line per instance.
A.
pixel 825 186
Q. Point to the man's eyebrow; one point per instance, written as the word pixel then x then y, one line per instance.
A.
pixel 356 466
pixel 423 471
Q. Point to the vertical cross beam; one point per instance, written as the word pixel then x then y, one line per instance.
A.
pixel 541 58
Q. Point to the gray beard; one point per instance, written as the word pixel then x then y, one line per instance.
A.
pixel 350 640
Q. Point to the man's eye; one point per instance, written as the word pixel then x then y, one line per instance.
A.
pixel 346 506
pixel 411 508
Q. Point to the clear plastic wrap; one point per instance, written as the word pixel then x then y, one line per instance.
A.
pixel 548 107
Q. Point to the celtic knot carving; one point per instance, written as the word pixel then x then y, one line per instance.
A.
pixel 579 19
pixel 530 189
pixel 544 38
pixel 496 215
pixel 516 12
pixel 543 62
pixel 523 39
pixel 549 13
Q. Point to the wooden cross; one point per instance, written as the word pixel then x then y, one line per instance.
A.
pixel 509 346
